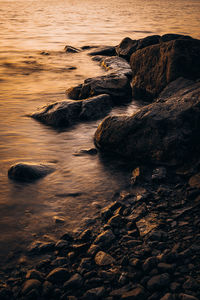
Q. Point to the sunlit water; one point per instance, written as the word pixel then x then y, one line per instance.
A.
pixel 29 80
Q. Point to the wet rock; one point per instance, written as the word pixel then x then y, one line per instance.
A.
pixel 104 259
pixel 159 174
pixel 164 267
pixel 115 85
pixel 194 181
pixel 39 247
pixel 156 132
pixel 158 282
pixel 62 245
pixel 70 49
pixel 95 293
pixel 156 66
pixel 6 293
pixel 67 237
pixel 116 64
pixel 60 262
pixel 85 235
pixel 187 297
pixel 26 172
pixel 105 238
pixel 191 284
pixel 47 288
pixel 93 249
pixel 92 151
pixel 106 50
pixel 34 274
pixel 138 212
pixel 167 296
pixel 58 275
pixel 116 221
pixel 149 264
pixel 137 294
pixel 65 113
pixel 76 281
pixel 58 220
pixel 31 284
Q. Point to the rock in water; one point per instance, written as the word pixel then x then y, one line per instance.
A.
pixel 165 131
pixel 70 49
pixel 154 67
pixel 28 172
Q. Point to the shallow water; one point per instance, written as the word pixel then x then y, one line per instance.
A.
pixel 29 80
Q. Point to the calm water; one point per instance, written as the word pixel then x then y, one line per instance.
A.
pixel 29 80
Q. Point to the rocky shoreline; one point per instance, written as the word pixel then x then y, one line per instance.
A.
pixel 146 243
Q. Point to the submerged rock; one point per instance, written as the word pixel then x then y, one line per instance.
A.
pixel 28 171
pixel 154 67
pixel 115 85
pixel 70 49
pixel 65 113
pixel 165 131
pixel 104 50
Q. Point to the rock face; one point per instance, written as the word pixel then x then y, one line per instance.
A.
pixel 28 172
pixel 65 113
pixel 156 66
pixel 165 131
pixel 114 84
pixel 128 46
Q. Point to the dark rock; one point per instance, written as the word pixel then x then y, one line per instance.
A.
pixel 34 274
pixel 26 172
pixel 6 293
pixel 117 64
pixel 92 151
pixel 137 294
pixel 167 296
pixel 85 235
pixel 116 221
pixel 104 259
pixel 60 262
pixel 106 50
pixel 187 297
pixel 149 264
pixel 70 49
pixel 105 238
pixel 31 284
pixel 47 288
pixel 94 294
pixel 158 282
pixel 115 85
pixel 65 113
pixel 58 275
pixel 156 132
pixel 67 237
pixel 156 66
pixel 169 268
pixel 39 247
pixel 171 36
pixel 62 245
pixel 159 174
pixel 76 281
pixel 191 284
pixel 93 249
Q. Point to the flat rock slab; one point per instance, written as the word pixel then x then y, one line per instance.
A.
pixel 114 84
pixel 65 113
pixel 29 172
pixel 165 131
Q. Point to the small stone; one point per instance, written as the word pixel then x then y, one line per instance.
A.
pixel 60 262
pixel 31 284
pixel 159 174
pixel 47 288
pixel 95 293
pixel 58 275
pixel 39 247
pixel 149 264
pixel 175 286
pixel 93 250
pixel 158 282
pixel 187 297
pixel 137 294
pixel 70 49
pixel 62 245
pixel 191 284
pixel 167 296
pixel 34 274
pixel 116 221
pixel 58 220
pixel 75 281
pixel 169 268
pixel 67 237
pixel 85 235
pixel 104 259
pixel 105 238
pixel 158 235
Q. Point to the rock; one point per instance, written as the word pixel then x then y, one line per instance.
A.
pixel 65 113
pixel 158 235
pixel 156 132
pixel 137 294
pixel 115 85
pixel 58 220
pixel 164 267
pixel 60 262
pixel 187 297
pixel 70 49
pixel 154 67
pixel 103 259
pixel 58 275
pixel 92 151
pixel 149 264
pixel 158 282
pixel 95 107
pixel 93 249
pixel 26 172
pixel 191 284
pixel 62 245
pixel 116 64
pixel 47 288
pixel 103 50
pixel 85 235
pixel 194 181
pixel 167 296
pixel 67 237
pixel 94 294
pixel 116 221
pixel 39 247
pixel 105 238
pixel 31 284
pixel 159 174
pixel 34 274
pixel 76 281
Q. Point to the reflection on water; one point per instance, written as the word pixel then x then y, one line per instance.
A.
pixel 30 79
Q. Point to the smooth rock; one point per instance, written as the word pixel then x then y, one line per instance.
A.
pixel 167 296
pixel 135 294
pixel 31 284
pixel 26 172
pixel 39 247
pixel 34 274
pixel 95 293
pixel 70 49
pixel 76 281
pixel 103 259
pixel 58 275
pixel 105 238
pixel 158 282
pixel 103 50
pixel 183 296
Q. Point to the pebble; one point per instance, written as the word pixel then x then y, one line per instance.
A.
pixel 159 281
pixel 103 259
pixel 58 275
pixel 31 284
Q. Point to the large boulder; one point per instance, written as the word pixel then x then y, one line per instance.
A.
pixel 165 131
pixel 156 66
pixel 116 64
pixel 28 171
pixel 65 113
pixel 128 46
pixel 114 84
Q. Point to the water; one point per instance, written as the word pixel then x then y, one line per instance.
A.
pixel 29 80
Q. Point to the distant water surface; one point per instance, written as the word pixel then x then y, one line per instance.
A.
pixel 29 80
